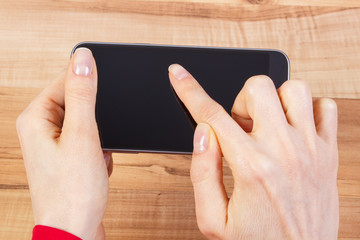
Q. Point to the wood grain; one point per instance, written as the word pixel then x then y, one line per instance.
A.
pixel 323 42
pixel 151 194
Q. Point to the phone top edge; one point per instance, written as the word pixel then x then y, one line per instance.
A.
pixel 183 46
pixel 133 151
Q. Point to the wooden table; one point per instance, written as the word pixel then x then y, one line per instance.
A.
pixel 150 194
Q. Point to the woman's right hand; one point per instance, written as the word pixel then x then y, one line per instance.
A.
pixel 282 150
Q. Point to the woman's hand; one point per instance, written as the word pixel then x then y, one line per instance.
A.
pixel 66 168
pixel 282 150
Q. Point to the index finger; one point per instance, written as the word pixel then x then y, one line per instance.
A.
pixel 204 109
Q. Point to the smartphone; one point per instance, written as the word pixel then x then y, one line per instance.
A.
pixel 136 107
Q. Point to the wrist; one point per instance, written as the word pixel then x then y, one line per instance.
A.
pixel 82 227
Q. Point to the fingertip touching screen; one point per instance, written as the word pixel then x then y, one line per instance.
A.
pixel 136 108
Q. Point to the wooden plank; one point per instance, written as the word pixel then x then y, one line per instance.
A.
pixel 96 4
pixel 232 10
pixel 134 214
pixel 16 214
pixel 151 194
pixel 323 42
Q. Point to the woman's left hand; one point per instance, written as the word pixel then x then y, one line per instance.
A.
pixel 66 168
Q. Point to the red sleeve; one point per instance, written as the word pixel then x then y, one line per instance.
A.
pixel 41 232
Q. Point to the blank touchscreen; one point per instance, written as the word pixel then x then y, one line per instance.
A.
pixel 136 108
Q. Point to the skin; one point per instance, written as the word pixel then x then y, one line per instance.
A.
pixel 66 169
pixel 282 151
pixel 280 145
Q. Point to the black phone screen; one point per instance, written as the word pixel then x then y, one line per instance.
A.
pixel 136 108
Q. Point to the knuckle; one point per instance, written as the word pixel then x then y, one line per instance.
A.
pixel 24 120
pixel 296 87
pixel 189 87
pixel 197 177
pixel 20 123
pixel 256 83
pixel 80 93
pixel 79 131
pixel 263 170
pixel 211 112
pixel 208 230
pixel 199 172
pixel 328 104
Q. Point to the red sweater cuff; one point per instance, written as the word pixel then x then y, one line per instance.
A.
pixel 41 232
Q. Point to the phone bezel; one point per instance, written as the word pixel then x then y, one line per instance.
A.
pixel 180 46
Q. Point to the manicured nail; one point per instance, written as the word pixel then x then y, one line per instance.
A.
pixel 178 71
pixel 201 138
pixel 83 62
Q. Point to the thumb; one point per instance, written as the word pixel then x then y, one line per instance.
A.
pixel 80 91
pixel 206 175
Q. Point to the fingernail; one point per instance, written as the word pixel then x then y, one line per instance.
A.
pixel 178 71
pixel 83 61
pixel 201 138
pixel 107 159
